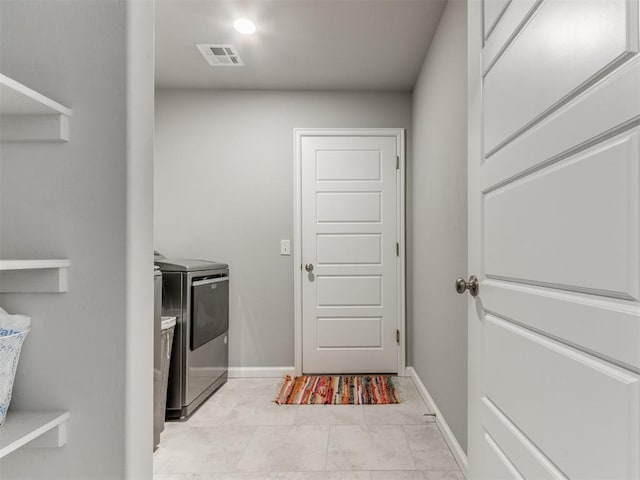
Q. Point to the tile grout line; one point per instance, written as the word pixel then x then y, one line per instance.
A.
pixel 246 447
pixel 326 455
pixel 413 457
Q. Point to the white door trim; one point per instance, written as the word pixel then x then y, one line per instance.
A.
pixel 298 134
pixel 474 161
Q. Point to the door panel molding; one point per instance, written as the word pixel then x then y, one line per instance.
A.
pixel 550 384
pixel 512 22
pixel 365 247
pixel 531 461
pixel 363 207
pixel 543 145
pixel 496 463
pixel 492 16
pixel 369 328
pixel 509 113
pixel 331 290
pixel 367 167
pixel 573 319
pixel 520 248
pixel 335 229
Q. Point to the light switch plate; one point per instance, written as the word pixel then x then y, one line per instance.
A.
pixel 285 247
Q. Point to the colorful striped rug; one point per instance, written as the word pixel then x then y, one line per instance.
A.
pixel 337 390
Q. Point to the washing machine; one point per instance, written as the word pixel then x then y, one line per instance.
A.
pixel 196 292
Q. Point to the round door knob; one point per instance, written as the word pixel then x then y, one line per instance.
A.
pixel 472 285
pixel 309 267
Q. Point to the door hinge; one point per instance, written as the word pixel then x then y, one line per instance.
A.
pixel 397 162
pixel 397 249
pixel 398 336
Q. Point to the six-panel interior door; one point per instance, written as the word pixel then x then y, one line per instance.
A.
pixel 554 202
pixel 349 235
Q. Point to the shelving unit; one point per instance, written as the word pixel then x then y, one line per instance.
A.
pixel 34 276
pixel 33 429
pixel 29 116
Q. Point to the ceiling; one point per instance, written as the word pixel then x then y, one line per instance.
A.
pixel 299 44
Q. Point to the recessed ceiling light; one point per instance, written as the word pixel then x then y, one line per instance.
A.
pixel 244 25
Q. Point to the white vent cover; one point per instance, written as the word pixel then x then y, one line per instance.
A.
pixel 220 55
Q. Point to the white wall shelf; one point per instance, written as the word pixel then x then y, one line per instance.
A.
pixel 28 116
pixel 33 429
pixel 34 276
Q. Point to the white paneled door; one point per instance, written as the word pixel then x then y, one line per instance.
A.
pixel 350 252
pixel 554 239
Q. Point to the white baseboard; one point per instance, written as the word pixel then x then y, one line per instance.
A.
pixel 260 372
pixel 448 435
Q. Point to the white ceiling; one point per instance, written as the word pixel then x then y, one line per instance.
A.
pixel 299 44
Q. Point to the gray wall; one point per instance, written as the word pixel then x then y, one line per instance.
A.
pixel 69 200
pixel 224 191
pixel 437 315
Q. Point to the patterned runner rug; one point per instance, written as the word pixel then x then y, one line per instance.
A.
pixel 337 390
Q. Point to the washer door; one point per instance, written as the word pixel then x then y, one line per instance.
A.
pixel 210 309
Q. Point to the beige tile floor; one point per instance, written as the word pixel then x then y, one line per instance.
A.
pixel 240 434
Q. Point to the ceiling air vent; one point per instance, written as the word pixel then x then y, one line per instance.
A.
pixel 220 55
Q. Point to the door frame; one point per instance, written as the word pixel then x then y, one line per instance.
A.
pixel 474 212
pixel 298 135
